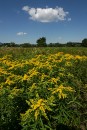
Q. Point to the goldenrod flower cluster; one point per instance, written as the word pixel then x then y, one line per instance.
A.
pixel 45 75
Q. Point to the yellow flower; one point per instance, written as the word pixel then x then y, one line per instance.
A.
pixel 54 80
pixel 68 56
pixel 60 89
pixel 68 64
pixel 33 87
pixel 25 77
pixel 40 106
pixel 36 114
pixel 78 57
pixel 9 82
pixel 43 76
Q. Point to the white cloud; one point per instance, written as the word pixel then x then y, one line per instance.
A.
pixel 21 33
pixel 46 14
pixel 69 19
pixel 26 8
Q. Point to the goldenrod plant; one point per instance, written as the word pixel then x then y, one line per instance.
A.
pixel 40 91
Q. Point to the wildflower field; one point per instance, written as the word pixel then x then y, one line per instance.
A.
pixel 41 88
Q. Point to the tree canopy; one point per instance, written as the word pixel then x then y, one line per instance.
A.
pixel 41 42
pixel 84 42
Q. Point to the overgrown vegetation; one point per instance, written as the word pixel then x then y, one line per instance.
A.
pixel 43 88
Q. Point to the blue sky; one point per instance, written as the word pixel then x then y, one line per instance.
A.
pixel 57 20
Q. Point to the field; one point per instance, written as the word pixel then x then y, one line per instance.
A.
pixel 43 88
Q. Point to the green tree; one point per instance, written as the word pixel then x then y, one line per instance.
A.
pixel 41 42
pixel 84 42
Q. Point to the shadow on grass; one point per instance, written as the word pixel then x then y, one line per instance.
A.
pixel 64 127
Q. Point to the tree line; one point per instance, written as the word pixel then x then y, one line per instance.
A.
pixel 41 42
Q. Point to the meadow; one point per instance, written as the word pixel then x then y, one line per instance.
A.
pixel 43 88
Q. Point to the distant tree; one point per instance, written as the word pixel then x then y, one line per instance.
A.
pixel 73 44
pixel 41 42
pixel 33 45
pixel 70 44
pixel 1 44
pixel 50 45
pixel 25 45
pixel 57 44
pixel 84 42
pixel 10 44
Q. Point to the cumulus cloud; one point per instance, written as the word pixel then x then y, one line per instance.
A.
pixel 21 33
pixel 46 14
pixel 69 19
